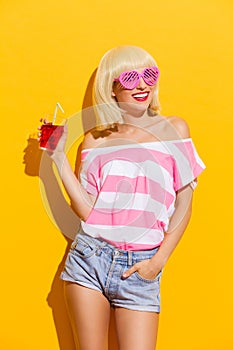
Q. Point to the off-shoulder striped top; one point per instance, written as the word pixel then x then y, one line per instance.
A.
pixel 135 187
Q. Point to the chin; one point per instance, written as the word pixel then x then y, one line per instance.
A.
pixel 135 107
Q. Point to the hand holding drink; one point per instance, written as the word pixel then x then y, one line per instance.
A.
pixel 50 133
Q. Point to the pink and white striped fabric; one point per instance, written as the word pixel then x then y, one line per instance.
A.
pixel 135 188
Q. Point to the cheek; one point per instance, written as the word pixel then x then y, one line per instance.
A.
pixel 122 95
pixel 152 91
pixel 117 88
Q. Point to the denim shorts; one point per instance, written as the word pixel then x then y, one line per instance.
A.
pixel 95 264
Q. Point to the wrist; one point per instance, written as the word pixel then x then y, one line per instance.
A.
pixel 158 261
pixel 59 160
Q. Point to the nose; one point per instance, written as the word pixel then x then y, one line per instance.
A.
pixel 141 84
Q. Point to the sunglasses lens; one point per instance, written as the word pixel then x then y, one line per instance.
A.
pixel 151 76
pixel 129 79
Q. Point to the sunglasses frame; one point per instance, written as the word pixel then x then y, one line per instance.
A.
pixel 137 78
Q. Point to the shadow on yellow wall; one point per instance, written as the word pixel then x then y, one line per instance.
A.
pixel 38 163
pixel 33 158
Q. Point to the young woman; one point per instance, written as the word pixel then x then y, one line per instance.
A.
pixel 133 194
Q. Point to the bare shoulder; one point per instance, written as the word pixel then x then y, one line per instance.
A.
pixel 180 125
pixel 89 141
pixel 96 137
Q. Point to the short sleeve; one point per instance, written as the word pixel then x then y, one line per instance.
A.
pixel 89 173
pixel 187 164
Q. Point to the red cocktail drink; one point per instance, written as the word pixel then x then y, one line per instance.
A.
pixel 50 135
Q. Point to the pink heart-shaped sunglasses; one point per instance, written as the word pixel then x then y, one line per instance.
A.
pixel 130 79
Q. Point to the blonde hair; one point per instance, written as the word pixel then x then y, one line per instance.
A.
pixel 114 62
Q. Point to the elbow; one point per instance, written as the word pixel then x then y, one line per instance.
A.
pixel 82 213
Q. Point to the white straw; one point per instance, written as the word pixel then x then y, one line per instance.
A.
pixel 55 112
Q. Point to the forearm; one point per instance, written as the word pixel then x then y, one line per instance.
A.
pixel 178 223
pixel 82 202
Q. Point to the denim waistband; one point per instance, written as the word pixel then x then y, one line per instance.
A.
pixel 118 255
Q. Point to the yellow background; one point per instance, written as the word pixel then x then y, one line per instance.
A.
pixel 49 51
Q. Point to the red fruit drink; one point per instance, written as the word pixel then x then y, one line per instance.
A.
pixel 50 135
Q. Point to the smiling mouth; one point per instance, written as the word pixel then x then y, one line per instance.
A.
pixel 141 96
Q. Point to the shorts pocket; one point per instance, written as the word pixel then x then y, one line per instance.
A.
pixel 82 248
pixel 156 279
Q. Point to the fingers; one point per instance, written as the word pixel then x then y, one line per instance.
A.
pixel 46 131
pixel 45 121
pixel 130 271
pixel 144 268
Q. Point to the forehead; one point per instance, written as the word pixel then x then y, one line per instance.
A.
pixel 126 64
pixel 138 69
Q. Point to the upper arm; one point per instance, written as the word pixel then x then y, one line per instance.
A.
pixel 78 161
pixel 184 198
pixel 89 142
pixel 86 143
pixel 183 131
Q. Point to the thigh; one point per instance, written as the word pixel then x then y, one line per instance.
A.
pixel 89 312
pixel 136 329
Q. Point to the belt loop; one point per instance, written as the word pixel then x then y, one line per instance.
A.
pixel 130 258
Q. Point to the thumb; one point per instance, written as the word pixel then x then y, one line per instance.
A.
pixel 129 272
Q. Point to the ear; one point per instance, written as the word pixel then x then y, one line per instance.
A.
pixel 113 94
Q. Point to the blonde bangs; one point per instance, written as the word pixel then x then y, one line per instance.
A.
pixel 126 58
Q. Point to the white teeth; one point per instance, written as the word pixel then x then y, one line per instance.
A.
pixel 141 95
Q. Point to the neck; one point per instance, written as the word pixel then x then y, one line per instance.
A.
pixel 140 119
